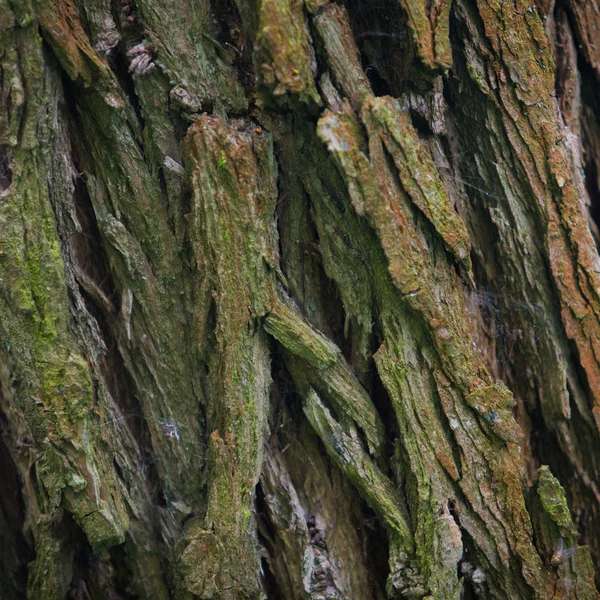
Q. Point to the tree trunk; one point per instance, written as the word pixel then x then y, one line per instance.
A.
pixel 299 299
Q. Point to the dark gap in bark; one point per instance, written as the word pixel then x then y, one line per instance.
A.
pixel 86 249
pixel 590 140
pixel 304 267
pixel 118 469
pixel 465 566
pixel 76 100
pixel 329 176
pixel 318 69
pixel 83 19
pixel 381 32
pixel 98 577
pixel 281 204
pixel 15 552
pixel 591 178
pixel 376 546
pixel 122 576
pixel 211 328
pixel 452 148
pixel 266 535
pixel 420 123
pixel 287 417
pixel 283 397
pixel 128 410
pixel 6 173
pixel 202 380
pixel 541 441
pixel 85 562
pixel 560 65
pixel 7 99
pixel 187 254
pixel 580 497
pixel 85 246
pixel 330 317
pixel 203 442
pixel 335 315
pixel 468 592
pixel 587 432
pixel 531 501
pixel 406 482
pixel 383 403
pixel 379 85
pixel 270 587
pixel 120 67
pixel 236 48
pixel 159 171
pixel 121 11
pixel 575 362
pixel 505 320
pixel 464 10
pixel 460 150
pixel 566 5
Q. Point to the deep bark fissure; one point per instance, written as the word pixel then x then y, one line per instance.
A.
pixel 16 551
pixel 5 166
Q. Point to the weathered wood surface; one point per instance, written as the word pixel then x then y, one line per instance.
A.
pixel 299 299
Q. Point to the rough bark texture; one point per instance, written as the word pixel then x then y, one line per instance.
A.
pixel 299 299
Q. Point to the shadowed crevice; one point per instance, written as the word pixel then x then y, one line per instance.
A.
pixel 15 551
pixel 5 167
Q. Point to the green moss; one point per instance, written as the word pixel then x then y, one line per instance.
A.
pixel 347 453
pixel 282 57
pixel 421 30
pixel 101 528
pixel 554 501
pixel 495 403
pixel 53 387
pixel 67 386
pixel 287 327
pixel 478 78
pixel 417 172
pixel 230 183
pixel 51 573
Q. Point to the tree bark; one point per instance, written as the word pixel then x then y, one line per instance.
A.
pixel 299 299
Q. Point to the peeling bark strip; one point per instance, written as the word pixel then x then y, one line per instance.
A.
pixel 284 55
pixel 299 299
pixel 233 237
